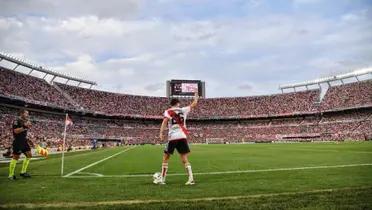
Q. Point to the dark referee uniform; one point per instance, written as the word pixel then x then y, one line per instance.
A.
pixel 20 143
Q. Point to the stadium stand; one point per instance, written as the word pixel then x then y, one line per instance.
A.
pixel 114 103
pixel 30 89
pixel 344 113
pixel 351 95
pixel 238 107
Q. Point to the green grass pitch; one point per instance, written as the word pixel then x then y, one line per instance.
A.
pixel 249 176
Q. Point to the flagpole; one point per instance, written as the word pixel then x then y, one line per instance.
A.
pixel 63 146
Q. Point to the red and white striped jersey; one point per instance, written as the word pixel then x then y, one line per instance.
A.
pixel 177 122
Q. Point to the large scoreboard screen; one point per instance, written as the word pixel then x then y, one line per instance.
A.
pixel 185 88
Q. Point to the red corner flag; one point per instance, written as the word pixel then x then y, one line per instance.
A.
pixel 68 121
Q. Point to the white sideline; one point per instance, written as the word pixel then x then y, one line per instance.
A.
pixel 232 172
pixel 97 162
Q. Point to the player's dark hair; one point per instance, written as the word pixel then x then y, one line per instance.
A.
pixel 174 101
pixel 22 111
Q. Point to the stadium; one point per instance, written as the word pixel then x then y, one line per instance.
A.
pixel 306 146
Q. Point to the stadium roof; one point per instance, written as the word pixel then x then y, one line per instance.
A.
pixel 354 74
pixel 47 71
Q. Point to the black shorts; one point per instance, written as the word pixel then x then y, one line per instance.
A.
pixel 180 144
pixel 20 147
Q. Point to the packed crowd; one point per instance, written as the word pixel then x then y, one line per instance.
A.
pixel 341 126
pixel 31 89
pixel 351 95
pixel 121 104
pixel 115 103
pixel 48 129
pixel 35 90
pixel 286 116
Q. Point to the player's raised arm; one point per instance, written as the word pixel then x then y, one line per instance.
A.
pixel 162 128
pixel 195 101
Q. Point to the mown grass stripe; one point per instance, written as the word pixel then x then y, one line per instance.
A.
pixel 97 162
pixel 232 172
pixel 149 201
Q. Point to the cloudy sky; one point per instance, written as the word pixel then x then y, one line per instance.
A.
pixel 239 47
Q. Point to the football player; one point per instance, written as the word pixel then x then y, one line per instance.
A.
pixel 175 119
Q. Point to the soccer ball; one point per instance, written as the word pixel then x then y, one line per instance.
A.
pixel 156 177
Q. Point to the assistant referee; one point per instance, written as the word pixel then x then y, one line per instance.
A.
pixel 21 144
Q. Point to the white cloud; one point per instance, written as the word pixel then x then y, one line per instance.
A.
pixel 7 23
pixel 71 8
pixel 92 26
pixel 194 31
pixel 234 55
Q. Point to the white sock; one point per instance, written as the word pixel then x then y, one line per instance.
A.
pixel 164 169
pixel 189 171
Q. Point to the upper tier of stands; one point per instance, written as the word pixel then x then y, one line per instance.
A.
pixel 357 94
pixel 114 103
pixel 35 90
pixel 31 89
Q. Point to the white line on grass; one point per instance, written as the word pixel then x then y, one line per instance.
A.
pixel 325 150
pixel 97 162
pixel 234 172
pixel 92 174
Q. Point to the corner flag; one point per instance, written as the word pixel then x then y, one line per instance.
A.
pixel 68 120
